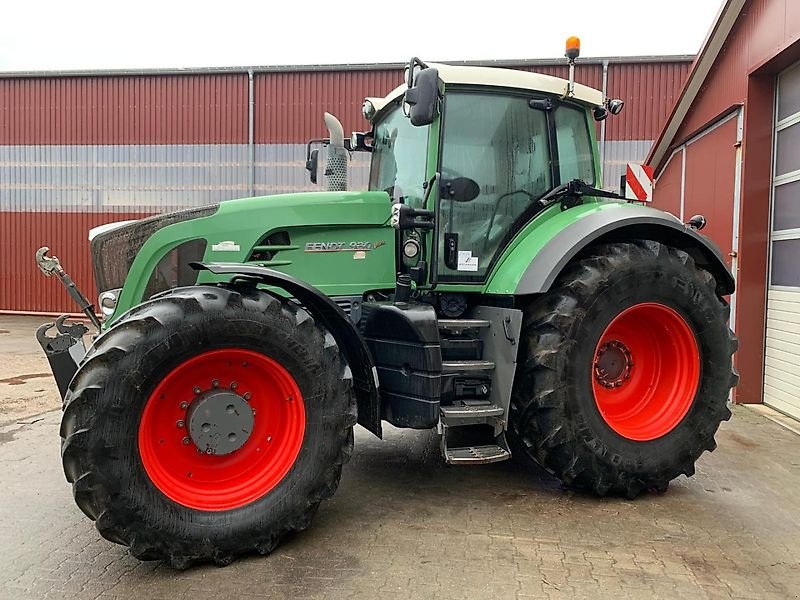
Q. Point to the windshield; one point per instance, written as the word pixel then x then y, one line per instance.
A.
pixel 398 158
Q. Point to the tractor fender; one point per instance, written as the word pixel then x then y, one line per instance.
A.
pixel 333 318
pixel 616 223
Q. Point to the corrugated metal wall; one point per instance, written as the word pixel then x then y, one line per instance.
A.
pixel 22 286
pixel 81 150
pixel 155 109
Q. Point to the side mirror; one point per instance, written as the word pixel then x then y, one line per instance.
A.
pixel 312 165
pixel 423 97
pixel 360 142
pixel 697 222
pixel 460 189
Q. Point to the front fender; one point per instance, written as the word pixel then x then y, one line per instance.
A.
pixel 333 318
pixel 531 265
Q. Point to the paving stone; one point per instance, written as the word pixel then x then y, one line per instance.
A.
pixel 404 525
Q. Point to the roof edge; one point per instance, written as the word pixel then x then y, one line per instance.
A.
pixel 528 62
pixel 718 34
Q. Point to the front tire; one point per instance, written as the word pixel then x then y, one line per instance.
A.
pixel 159 442
pixel 626 370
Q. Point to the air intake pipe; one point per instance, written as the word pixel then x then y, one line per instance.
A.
pixel 336 170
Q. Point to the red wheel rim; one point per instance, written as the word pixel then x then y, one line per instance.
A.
pixel 187 475
pixel 646 371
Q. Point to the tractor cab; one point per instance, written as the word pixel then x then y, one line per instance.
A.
pixel 467 155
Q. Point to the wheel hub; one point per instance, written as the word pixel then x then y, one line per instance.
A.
pixel 613 364
pixel 219 422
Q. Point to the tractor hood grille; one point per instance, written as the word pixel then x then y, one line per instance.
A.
pixel 113 251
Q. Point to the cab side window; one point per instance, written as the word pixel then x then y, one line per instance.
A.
pixel 574 145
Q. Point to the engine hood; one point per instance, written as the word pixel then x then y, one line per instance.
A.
pixel 317 207
pixel 340 242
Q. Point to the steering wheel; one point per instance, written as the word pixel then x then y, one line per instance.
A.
pixel 449 174
pixel 494 212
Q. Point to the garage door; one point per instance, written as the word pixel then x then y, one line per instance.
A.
pixel 782 362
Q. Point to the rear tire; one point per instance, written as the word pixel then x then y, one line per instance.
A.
pixel 607 418
pixel 129 471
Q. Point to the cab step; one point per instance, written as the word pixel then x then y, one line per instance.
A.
pixel 470 414
pixel 458 326
pixel 477 430
pixel 466 366
pixel 475 455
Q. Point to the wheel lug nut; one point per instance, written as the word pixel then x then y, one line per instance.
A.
pixel 247 395
pixel 269 438
pixel 184 405
pixel 186 441
pixel 197 390
pixel 215 383
pixel 234 385
pixel 180 424
pixel 208 451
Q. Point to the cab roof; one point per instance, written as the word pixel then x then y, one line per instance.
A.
pixel 502 78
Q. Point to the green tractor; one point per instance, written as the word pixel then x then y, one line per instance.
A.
pixel 484 286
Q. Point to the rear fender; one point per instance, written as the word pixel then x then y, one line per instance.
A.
pixel 334 319
pixel 533 265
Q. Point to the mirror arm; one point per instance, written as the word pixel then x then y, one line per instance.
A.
pixel 315 141
pixel 411 64
pixel 428 187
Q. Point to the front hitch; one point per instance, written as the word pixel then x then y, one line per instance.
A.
pixel 66 349
pixel 50 265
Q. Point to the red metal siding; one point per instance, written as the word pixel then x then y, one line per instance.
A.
pixel 22 285
pixel 763 30
pixel 667 192
pixel 289 106
pixel 157 109
pixel 193 109
pixel 649 91
pixel 710 173
pixel 754 221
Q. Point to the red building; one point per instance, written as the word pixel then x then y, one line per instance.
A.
pixel 81 149
pixel 731 151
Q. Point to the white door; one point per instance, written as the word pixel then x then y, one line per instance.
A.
pixel 782 357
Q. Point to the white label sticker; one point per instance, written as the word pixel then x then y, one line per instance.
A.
pixel 359 255
pixel 226 246
pixel 467 262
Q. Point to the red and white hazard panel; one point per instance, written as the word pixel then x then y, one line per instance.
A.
pixel 639 182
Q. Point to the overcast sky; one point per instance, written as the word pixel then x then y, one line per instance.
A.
pixel 115 34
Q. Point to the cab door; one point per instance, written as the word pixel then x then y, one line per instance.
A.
pixel 514 151
pixel 500 143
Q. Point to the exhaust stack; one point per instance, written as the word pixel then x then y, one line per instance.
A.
pixel 336 171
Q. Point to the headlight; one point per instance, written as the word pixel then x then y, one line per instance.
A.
pixel 411 248
pixel 108 302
